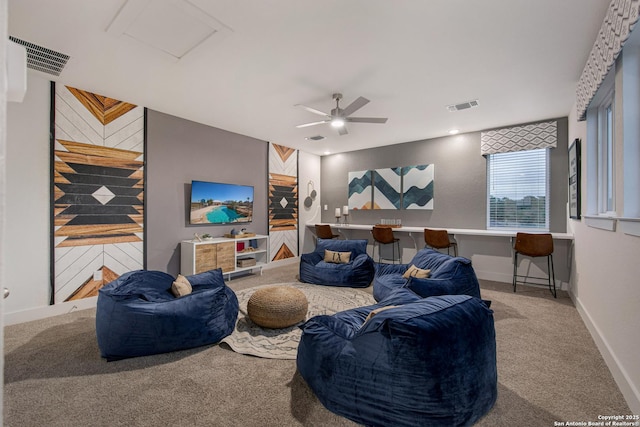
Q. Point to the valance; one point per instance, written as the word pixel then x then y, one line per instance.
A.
pixel 620 20
pixel 519 138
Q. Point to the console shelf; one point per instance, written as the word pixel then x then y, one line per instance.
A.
pixel 232 255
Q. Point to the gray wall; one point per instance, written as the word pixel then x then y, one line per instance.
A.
pixel 559 214
pixel 179 151
pixel 459 184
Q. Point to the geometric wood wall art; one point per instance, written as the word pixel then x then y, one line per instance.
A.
pixel 359 190
pixel 417 184
pixel 283 202
pixel 386 188
pixel 98 191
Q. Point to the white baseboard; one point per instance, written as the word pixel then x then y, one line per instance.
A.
pixel 280 263
pixel 67 307
pixel 508 278
pixel 49 311
pixel 494 276
pixel 619 373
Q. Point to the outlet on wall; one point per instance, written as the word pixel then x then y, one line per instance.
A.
pixel 97 276
pixel 326 207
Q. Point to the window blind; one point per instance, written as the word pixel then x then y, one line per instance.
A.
pixel 518 190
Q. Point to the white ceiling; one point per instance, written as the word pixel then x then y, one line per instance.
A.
pixel 411 58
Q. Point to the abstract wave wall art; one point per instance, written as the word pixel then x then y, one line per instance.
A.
pixel 359 190
pixel 386 188
pixel 417 183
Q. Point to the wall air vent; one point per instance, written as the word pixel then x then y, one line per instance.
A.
pixel 42 59
pixel 462 106
pixel 315 138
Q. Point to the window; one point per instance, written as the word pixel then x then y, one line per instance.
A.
pixel 606 164
pixel 518 190
pixel 613 135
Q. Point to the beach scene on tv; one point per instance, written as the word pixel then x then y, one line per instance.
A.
pixel 218 203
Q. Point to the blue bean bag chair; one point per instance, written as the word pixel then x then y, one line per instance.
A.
pixel 430 361
pixel 449 276
pixel 137 315
pixel 357 273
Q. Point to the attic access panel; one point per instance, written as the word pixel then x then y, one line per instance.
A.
pixel 174 27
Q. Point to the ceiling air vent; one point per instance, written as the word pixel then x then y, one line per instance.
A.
pixel 315 138
pixel 462 106
pixel 42 59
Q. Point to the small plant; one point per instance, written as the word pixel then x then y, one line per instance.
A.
pixel 206 236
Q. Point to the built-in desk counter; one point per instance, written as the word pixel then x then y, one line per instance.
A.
pixel 345 228
pixel 417 232
pixel 491 251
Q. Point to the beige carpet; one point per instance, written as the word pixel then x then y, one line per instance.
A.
pixel 249 338
pixel 549 369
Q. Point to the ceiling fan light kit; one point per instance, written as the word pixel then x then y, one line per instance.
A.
pixel 339 117
pixel 337 122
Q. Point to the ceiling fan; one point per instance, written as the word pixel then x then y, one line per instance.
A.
pixel 340 116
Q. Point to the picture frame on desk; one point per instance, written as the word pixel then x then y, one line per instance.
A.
pixel 574 179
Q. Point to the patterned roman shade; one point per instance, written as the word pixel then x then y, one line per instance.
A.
pixel 620 20
pixel 519 138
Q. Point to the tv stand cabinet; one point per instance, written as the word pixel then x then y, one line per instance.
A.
pixel 232 255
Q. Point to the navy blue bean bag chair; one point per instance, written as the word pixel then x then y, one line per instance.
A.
pixel 449 276
pixel 357 273
pixel 137 315
pixel 430 361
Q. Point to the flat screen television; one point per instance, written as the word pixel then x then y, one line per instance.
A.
pixel 220 203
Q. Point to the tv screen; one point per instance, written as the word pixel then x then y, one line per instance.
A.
pixel 219 203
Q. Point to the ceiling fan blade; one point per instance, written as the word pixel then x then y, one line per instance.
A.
pixel 355 106
pixel 312 110
pixel 366 119
pixel 312 124
pixel 342 130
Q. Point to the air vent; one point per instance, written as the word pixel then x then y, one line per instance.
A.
pixel 462 106
pixel 42 59
pixel 315 138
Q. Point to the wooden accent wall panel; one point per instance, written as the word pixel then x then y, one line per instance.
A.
pixel 98 191
pixel 283 202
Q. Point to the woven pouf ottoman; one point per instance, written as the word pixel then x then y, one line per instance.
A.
pixel 277 307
